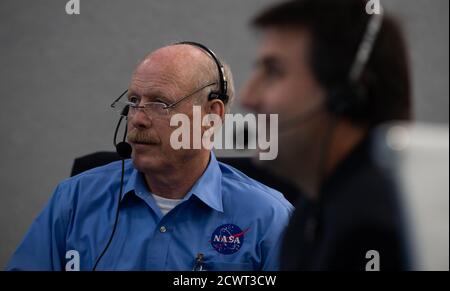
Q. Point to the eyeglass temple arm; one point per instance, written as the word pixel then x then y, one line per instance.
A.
pixel 118 98
pixel 195 92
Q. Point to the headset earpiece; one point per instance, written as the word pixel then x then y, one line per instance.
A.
pixel 349 100
pixel 217 95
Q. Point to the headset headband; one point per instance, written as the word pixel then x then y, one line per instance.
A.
pixel 222 80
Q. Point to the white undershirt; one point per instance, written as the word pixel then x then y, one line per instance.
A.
pixel 166 204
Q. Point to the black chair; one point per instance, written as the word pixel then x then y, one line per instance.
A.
pixel 93 160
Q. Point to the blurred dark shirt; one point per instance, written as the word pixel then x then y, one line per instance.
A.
pixel 357 212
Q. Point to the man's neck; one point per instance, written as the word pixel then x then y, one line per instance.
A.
pixel 181 178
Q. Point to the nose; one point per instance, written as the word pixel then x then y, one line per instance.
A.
pixel 250 95
pixel 137 118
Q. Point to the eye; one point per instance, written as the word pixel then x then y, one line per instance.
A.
pixel 133 99
pixel 273 72
pixel 159 100
pixel 271 68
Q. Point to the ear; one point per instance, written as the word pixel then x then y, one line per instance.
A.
pixel 216 107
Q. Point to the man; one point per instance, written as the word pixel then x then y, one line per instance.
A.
pixel 180 209
pixel 303 72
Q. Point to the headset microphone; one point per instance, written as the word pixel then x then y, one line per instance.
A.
pixel 298 120
pixel 124 151
pixel 123 148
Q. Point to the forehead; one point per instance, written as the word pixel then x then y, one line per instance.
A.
pixel 151 79
pixel 153 85
pixel 161 76
pixel 283 44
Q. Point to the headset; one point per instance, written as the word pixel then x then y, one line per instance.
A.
pixel 350 98
pixel 124 149
pixel 223 84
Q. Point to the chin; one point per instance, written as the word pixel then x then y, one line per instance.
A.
pixel 144 163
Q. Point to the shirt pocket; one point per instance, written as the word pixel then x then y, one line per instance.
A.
pixel 228 266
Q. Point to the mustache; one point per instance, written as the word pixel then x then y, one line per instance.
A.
pixel 137 136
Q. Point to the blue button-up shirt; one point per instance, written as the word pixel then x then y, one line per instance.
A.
pixel 235 222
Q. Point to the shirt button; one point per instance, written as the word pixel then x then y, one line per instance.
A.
pixel 162 229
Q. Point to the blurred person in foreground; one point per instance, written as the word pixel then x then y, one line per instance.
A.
pixel 348 208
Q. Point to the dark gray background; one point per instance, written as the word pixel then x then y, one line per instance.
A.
pixel 59 73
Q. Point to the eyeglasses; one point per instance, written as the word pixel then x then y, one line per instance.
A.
pixel 152 109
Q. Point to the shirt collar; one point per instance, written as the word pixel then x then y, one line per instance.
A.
pixel 208 188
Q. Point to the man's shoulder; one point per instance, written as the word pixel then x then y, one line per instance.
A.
pixel 239 186
pixel 91 186
pixel 106 171
pixel 97 178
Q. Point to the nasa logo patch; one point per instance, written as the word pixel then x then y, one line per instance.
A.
pixel 228 239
